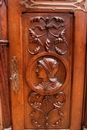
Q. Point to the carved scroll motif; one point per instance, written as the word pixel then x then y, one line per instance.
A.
pixel 53 32
pixel 47 106
pixel 55 5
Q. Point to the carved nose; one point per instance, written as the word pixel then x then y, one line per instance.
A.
pixel 37 70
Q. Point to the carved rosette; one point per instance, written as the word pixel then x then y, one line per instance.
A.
pixel 46 73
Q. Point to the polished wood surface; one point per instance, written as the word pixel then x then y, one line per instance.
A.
pixel 41 63
pixel 47 64
pixel 84 114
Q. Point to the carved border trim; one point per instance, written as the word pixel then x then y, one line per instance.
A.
pixel 43 129
pixel 78 5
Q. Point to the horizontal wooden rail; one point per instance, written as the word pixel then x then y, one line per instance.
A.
pixel 3 42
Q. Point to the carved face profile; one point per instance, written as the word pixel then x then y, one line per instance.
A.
pixel 46 74
pixel 47 69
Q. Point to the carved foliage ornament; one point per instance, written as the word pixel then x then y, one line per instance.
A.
pixel 55 5
pixel 46 106
pixel 51 35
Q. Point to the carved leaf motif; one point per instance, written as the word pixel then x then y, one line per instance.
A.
pixel 46 29
pixel 35 123
pixel 58 19
pixel 34 39
pixel 61 41
pixel 37 19
pixel 36 105
pixel 44 101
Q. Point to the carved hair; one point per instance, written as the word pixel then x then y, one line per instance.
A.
pixel 50 65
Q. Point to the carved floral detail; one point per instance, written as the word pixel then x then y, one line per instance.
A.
pixel 46 30
pixel 46 106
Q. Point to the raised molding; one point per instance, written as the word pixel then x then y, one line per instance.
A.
pixel 53 5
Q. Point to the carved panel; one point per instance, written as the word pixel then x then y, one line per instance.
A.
pixel 47 107
pixel 47 42
pixel 48 32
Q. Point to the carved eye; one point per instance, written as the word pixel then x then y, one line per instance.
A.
pixel 40 67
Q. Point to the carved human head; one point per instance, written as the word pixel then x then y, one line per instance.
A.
pixel 50 65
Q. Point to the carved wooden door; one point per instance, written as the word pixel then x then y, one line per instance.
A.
pixel 48 43
pixel 47 56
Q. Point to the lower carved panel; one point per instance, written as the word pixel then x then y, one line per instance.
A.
pixel 47 107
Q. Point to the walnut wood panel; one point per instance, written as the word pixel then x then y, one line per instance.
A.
pixel 47 44
pixel 27 104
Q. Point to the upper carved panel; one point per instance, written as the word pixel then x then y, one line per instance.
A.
pixel 55 5
pixel 48 32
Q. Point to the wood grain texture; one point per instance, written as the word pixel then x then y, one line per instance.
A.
pixel 4 89
pixel 33 61
pixel 20 39
pixel 78 71
pixel 84 116
pixel 4 85
pixel 15 48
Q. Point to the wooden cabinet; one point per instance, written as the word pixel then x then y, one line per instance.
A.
pixel 4 84
pixel 47 41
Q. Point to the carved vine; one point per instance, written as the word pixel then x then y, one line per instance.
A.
pixel 46 29
pixel 51 104
pixel 70 5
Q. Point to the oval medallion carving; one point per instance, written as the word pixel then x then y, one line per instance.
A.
pixel 46 73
